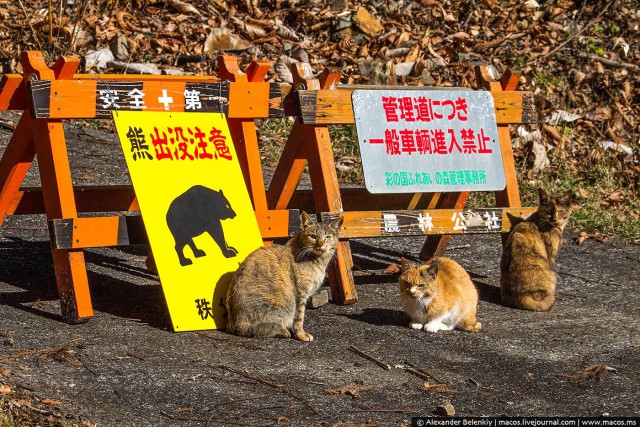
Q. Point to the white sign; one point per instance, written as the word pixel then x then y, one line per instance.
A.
pixel 419 141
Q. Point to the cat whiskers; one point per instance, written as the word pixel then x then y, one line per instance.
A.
pixel 304 252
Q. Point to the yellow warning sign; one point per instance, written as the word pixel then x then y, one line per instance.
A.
pixel 194 205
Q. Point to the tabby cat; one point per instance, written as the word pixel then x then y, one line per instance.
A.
pixel 439 296
pixel 268 293
pixel 527 279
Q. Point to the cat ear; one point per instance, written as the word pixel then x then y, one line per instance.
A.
pixel 406 265
pixel 335 225
pixel 567 198
pixel 306 220
pixel 542 195
pixel 432 272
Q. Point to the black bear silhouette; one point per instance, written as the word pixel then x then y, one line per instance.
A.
pixel 199 210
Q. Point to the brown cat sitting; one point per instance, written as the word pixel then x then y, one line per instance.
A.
pixel 527 279
pixel 439 296
pixel 268 293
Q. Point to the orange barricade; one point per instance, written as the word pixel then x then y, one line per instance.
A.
pixel 49 95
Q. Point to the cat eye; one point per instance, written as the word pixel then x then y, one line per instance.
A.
pixel 328 237
pixel 561 211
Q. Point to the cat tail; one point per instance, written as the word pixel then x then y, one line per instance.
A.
pixel 537 300
pixel 540 300
pixel 260 330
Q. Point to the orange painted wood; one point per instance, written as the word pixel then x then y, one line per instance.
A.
pixel 257 70
pixel 230 70
pixel 303 78
pixel 249 100
pixel 288 171
pixel 156 91
pixel 76 99
pixel 80 233
pixel 92 198
pixel 34 66
pixel 73 287
pixel 372 223
pixel 326 190
pixel 276 224
pixel 335 107
pixel 65 67
pixel 15 163
pixel 57 190
pixel 436 245
pixel 510 196
pixel 12 93
pixel 243 131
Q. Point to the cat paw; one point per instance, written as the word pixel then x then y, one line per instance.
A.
pixel 433 327
pixel 304 336
pixel 413 325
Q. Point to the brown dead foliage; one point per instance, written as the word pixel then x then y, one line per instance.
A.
pixel 596 372
pixel 577 57
pixel 352 389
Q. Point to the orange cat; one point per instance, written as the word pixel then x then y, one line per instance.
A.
pixel 439 296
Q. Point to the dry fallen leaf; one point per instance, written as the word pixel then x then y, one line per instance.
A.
pixel 183 7
pixel 392 269
pixel 352 389
pixel 51 402
pixel 437 388
pixel 5 389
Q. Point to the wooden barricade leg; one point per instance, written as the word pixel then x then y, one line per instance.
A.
pixel 326 188
pixel 510 196
pixel 436 245
pixel 312 143
pixel 59 202
pixel 326 192
pixel 15 163
pixel 57 191
pixel 243 131
pixel 288 171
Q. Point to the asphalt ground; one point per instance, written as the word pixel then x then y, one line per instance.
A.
pixel 125 367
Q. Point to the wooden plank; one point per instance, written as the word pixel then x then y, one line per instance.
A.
pixel 514 107
pixel 92 198
pixel 335 107
pixel 80 233
pixel 275 224
pixel 12 94
pixel 112 198
pixel 86 99
pixel 426 222
pixel 128 230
